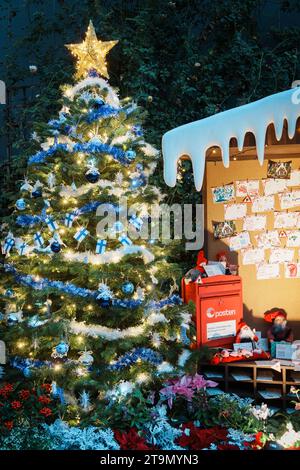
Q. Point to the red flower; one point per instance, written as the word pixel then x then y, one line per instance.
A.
pixel 24 394
pixel 131 440
pixel 197 439
pixel 227 447
pixel 46 412
pixel 16 404
pixel 6 390
pixel 46 387
pixel 9 425
pixel 44 399
pixel 258 443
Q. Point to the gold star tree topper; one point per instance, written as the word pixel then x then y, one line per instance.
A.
pixel 91 53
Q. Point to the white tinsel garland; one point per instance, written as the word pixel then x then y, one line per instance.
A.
pixel 111 98
pixel 113 334
pixel 114 256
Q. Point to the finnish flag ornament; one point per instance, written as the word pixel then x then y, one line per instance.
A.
pixel 101 246
pixel 38 239
pixel 81 234
pixel 69 219
pixel 52 225
pixel 125 240
pixel 7 246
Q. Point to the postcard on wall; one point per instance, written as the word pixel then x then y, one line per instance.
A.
pixel 289 200
pixel 247 188
pixel 293 238
pixel 279 169
pixel 281 255
pixel 268 239
pixel 274 186
pixel 253 256
pixel 223 193
pixel 235 211
pixel 255 223
pixel 294 179
pixel 263 204
pixel 286 219
pixel 240 241
pixel 224 229
pixel 292 270
pixel 267 271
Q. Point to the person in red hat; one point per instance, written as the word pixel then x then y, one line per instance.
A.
pixel 278 331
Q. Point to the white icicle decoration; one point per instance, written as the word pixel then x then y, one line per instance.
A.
pixel 195 138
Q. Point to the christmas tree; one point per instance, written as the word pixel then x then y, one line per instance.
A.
pixel 90 311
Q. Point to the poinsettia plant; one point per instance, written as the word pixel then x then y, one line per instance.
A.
pixel 19 405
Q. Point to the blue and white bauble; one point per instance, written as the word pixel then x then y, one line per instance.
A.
pixel 127 287
pixel 139 167
pixel 62 348
pixel 130 154
pixel 21 204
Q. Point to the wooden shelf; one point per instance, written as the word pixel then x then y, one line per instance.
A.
pixel 280 380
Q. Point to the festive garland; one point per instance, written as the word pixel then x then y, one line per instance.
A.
pixel 87 147
pixel 42 155
pixel 111 98
pixel 113 334
pixel 113 256
pixel 26 220
pixel 72 289
pixel 129 358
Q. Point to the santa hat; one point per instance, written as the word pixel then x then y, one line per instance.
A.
pixel 270 315
pixel 242 324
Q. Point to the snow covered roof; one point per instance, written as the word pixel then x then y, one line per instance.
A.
pixel 195 138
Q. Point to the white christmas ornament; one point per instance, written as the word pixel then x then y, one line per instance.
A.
pixel 195 138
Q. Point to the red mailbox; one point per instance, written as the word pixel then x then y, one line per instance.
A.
pixel 219 309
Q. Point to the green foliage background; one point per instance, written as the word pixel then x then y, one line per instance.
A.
pixel 181 60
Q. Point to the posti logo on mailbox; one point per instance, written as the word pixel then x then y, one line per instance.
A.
pixel 212 313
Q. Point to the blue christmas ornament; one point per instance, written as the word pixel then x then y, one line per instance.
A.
pixel 26 372
pixel 130 154
pixel 21 204
pixel 92 175
pixel 9 293
pixel 55 247
pixel 13 318
pixel 104 301
pixel 139 167
pixel 36 193
pixel 127 287
pixel 62 349
pixel 138 182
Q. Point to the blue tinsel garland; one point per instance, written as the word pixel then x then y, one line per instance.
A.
pixel 26 220
pixel 87 147
pixel 100 147
pixel 41 156
pixel 72 289
pixel 105 111
pixel 129 358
